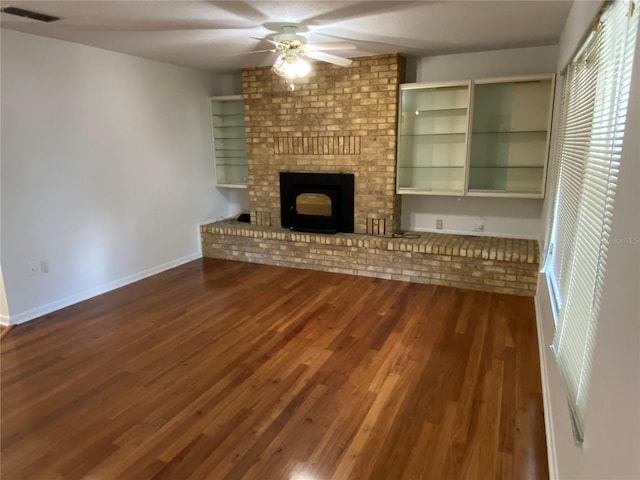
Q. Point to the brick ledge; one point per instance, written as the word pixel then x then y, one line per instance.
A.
pixel 467 246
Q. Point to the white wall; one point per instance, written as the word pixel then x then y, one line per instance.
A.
pixel 612 434
pixel 4 307
pixel 237 200
pixel 462 66
pixel 500 217
pixel 106 169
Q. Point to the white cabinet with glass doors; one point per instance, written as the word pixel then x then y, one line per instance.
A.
pixel 432 138
pixel 486 137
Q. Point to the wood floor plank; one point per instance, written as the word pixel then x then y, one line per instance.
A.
pixel 228 370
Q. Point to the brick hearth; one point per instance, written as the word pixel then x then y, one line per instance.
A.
pixel 480 263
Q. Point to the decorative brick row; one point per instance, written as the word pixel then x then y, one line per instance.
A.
pixel 261 218
pixel 493 264
pixel 307 145
pixel 378 226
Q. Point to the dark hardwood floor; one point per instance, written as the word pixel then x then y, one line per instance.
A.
pixel 228 370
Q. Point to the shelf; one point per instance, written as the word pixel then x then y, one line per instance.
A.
pixel 505 193
pixel 454 110
pixel 237 124
pixel 232 185
pixel 510 132
pixel 227 108
pixel 424 191
pixel 430 134
pixel 489 190
pixel 435 99
pixel 506 167
pixel 220 160
pixel 506 179
pixel 448 179
pixel 232 148
pixel 429 166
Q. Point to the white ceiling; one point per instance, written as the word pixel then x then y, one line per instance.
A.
pixel 215 35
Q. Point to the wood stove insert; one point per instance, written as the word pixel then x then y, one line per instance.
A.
pixel 317 202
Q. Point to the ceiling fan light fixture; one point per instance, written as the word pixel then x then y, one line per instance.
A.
pixel 291 66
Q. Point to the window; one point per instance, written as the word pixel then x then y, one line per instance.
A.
pixel 589 145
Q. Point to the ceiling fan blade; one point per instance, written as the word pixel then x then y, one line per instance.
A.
pixel 327 57
pixel 273 42
pixel 252 52
pixel 330 46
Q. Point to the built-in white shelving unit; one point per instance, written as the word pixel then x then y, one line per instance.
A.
pixel 229 141
pixel 487 137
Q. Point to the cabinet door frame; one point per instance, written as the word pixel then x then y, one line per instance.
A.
pixel 548 122
pixel 222 98
pixel 428 86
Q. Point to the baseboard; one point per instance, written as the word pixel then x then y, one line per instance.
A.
pixel 546 398
pixel 4 320
pixel 22 317
pixel 5 331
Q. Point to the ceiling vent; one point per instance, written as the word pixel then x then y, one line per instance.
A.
pixel 21 12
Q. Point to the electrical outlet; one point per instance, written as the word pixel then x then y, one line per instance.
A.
pixel 44 266
pixel 33 268
pixel 439 224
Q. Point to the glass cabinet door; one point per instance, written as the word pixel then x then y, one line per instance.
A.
pixel 229 141
pixel 432 138
pixel 510 137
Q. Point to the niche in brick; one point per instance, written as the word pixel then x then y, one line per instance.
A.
pixel 317 202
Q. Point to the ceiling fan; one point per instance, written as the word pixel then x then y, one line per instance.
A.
pixel 293 47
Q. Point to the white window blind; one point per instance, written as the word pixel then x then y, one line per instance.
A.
pixel 592 121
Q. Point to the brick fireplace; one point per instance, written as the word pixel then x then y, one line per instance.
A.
pixel 344 120
pixel 338 120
